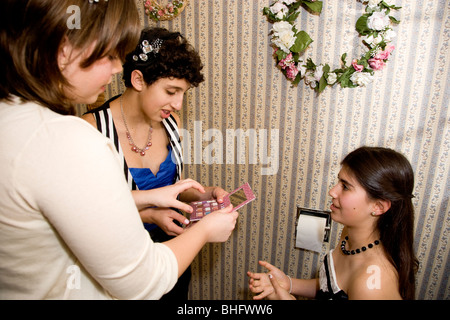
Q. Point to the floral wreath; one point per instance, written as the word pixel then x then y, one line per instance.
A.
pixel 158 12
pixel 373 25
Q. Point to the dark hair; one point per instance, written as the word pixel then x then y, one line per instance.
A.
pixel 387 175
pixel 31 35
pixel 176 59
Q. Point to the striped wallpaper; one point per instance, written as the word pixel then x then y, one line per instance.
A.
pixel 246 123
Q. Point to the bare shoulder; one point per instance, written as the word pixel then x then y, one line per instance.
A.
pixel 375 280
pixel 89 117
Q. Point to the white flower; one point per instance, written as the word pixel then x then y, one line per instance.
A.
pixel 279 9
pixel 284 36
pixel 374 41
pixel 282 26
pixel 288 2
pixel 389 35
pixel 361 78
pixel 284 41
pixel 332 77
pixel 310 80
pixel 318 73
pixel 373 3
pixel 301 69
pixel 378 21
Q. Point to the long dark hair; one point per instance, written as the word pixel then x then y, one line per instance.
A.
pixel 387 175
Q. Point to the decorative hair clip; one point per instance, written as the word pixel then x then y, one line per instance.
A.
pixel 147 48
pixel 96 1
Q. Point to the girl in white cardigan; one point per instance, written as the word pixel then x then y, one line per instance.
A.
pixel 69 227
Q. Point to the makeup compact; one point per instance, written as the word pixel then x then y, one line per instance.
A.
pixel 238 198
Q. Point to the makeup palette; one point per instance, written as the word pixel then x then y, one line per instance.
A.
pixel 238 198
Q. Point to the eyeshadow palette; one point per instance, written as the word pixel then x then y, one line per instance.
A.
pixel 238 198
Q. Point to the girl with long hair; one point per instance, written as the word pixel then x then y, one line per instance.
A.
pixel 375 259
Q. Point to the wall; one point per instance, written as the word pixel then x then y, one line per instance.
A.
pixel 406 108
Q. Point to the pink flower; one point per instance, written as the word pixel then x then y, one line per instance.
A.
pixel 384 55
pixel 286 62
pixel 357 66
pixel 376 64
pixel 291 72
pixel 160 13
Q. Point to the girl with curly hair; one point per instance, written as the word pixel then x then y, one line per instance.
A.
pixel 143 124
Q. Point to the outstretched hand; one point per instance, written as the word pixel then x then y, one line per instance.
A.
pixel 274 285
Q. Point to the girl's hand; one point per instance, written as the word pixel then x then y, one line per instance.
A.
pixel 164 218
pixel 219 224
pixel 261 284
pixel 218 193
pixel 166 197
pixel 279 292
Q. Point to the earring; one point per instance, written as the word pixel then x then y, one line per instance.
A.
pixel 373 214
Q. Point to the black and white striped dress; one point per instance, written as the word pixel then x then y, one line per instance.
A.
pixel 105 125
pixel 329 289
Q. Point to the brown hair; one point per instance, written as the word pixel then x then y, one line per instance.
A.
pixel 31 34
pixel 386 174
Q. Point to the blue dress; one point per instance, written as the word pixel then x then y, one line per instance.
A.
pixel 146 180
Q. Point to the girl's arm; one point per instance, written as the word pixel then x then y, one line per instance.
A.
pixel 261 284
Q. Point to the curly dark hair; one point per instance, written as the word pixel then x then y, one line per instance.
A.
pixel 175 59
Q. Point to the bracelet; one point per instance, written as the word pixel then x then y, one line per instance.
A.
pixel 290 284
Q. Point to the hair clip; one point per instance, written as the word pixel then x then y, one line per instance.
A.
pixel 96 1
pixel 147 48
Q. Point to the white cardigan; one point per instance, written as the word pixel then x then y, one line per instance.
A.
pixel 69 228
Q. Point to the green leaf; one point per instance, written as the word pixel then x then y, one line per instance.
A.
pixel 310 65
pixel 361 25
pixel 314 6
pixel 297 79
pixel 344 78
pixel 394 20
pixel 343 58
pixel 292 17
pixel 270 16
pixel 302 42
pixel 323 81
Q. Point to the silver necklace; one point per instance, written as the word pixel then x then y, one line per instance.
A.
pixel 134 147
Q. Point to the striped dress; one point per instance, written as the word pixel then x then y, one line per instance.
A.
pixel 329 289
pixel 105 125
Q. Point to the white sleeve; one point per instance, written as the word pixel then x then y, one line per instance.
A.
pixel 74 176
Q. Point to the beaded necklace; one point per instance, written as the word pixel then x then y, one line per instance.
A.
pixel 134 147
pixel 359 250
